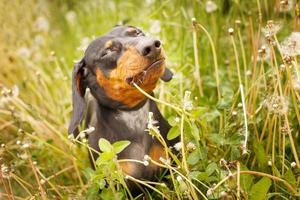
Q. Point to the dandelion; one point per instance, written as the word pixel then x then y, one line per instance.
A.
pixel 210 6
pixel 223 194
pixel 42 181
pixel 155 27
pixel 270 163
pixel 271 29
pixel 286 5
pixel 178 146
pixel 23 156
pixel 234 113
pixel 2 145
pixel 264 52
pixel 42 24
pixel 291 45
pixel 277 104
pixel 209 192
pixel 5 172
pixel 187 103
pixel 152 124
pixel 71 17
pixel 83 44
pixel 190 146
pixel 293 164
pixel 23 52
pixel 231 31
pixel 18 142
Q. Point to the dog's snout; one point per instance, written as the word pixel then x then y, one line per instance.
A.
pixel 150 48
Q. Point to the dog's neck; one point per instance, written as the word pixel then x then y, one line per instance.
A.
pixel 124 123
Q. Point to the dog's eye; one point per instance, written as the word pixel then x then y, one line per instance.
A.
pixel 134 32
pixel 109 51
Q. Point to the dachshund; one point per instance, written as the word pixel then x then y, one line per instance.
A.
pixel 117 110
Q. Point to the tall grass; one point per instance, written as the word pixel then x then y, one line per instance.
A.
pixel 234 99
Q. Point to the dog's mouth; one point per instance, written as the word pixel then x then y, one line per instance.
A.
pixel 140 77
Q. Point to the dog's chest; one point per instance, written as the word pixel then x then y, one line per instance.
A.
pixel 135 120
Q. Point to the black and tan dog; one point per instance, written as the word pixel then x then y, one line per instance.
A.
pixel 118 111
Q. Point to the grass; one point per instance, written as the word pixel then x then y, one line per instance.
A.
pixel 234 99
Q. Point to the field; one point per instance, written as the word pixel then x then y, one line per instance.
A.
pixel 234 100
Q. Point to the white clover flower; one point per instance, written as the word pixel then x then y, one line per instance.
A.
pixel 210 6
pixel 41 24
pixel 291 45
pixel 84 44
pixel 155 27
pixel 178 146
pixel 71 17
pixel 23 52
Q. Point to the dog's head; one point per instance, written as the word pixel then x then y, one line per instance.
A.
pixel 110 66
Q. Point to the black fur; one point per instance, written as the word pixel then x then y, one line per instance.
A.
pixel 111 119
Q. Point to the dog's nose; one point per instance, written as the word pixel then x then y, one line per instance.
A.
pixel 149 48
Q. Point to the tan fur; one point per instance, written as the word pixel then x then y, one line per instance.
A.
pixel 130 64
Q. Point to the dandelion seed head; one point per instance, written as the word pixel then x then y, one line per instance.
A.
pixel 209 192
pixel 83 44
pixel 271 29
pixel 155 27
pixel 291 45
pixel 179 178
pixel 191 146
pixel 41 24
pixel 277 104
pixel 270 163
pixel 286 5
pixel 23 156
pixel 210 6
pixel 5 171
pixel 24 52
pixel 71 17
pixel 42 181
pixel 178 146
pixel 231 31
pixel 293 164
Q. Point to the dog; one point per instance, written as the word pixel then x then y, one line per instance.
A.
pixel 117 110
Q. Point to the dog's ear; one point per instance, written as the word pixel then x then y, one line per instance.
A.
pixel 78 91
pixel 167 76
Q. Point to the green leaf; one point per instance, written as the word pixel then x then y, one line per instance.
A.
pixel 193 158
pixel 260 155
pixel 289 176
pixel 260 189
pixel 211 168
pixel 246 180
pixel 119 146
pixel 197 112
pixel 173 133
pixel 104 145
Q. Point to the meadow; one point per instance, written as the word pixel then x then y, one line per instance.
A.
pixel 234 100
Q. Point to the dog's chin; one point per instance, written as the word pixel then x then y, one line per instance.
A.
pixel 148 74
